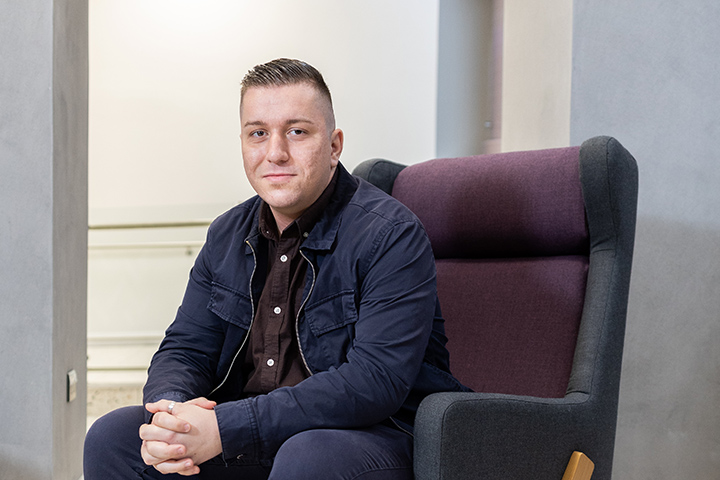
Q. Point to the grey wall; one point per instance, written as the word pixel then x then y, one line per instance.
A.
pixel 43 236
pixel 648 73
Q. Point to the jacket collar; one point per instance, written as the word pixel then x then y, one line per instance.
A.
pixel 323 234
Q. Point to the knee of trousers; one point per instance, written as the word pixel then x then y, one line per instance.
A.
pixel 368 453
pixel 302 453
pixel 115 434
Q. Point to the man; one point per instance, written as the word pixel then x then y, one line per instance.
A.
pixel 310 329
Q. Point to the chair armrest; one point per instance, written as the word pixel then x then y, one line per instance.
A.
pixel 493 436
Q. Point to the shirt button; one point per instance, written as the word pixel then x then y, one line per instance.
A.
pixel 277 310
pixel 270 362
pixel 283 258
pixel 305 235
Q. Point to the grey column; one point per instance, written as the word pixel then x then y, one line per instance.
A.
pixel 43 236
pixel 466 72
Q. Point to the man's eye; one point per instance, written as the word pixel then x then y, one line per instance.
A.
pixel 258 133
pixel 296 131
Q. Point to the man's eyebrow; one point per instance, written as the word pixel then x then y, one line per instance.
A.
pixel 291 121
pixel 254 123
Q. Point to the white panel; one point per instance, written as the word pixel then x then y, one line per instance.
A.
pixel 537 64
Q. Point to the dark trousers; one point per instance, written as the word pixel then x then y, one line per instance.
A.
pixel 112 451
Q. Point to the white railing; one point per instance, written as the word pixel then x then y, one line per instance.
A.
pixel 136 272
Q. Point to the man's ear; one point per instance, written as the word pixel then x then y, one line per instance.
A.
pixel 336 144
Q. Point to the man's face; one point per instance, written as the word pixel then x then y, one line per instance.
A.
pixel 289 151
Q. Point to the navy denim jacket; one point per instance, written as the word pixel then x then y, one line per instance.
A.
pixel 369 329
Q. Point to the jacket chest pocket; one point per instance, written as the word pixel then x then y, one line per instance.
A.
pixel 231 306
pixel 327 329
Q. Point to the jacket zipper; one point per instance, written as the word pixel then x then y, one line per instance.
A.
pixel 252 320
pixel 401 428
pixel 297 317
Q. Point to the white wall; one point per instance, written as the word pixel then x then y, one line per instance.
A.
pixel 165 80
pixel 537 67
pixel 164 146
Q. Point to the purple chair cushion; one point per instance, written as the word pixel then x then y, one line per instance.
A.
pixel 512 324
pixel 502 205
pixel 511 242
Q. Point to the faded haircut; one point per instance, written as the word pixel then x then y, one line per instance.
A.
pixel 288 71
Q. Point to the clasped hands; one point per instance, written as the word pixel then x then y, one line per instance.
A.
pixel 179 441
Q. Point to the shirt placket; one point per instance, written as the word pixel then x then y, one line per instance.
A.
pixel 278 314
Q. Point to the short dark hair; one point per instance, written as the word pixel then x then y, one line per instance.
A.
pixel 284 71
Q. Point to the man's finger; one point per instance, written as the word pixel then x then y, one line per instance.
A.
pixel 182 467
pixel 159 406
pixel 203 402
pixel 160 433
pixel 171 422
pixel 154 453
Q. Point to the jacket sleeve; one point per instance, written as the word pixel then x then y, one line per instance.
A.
pixel 183 368
pixel 397 294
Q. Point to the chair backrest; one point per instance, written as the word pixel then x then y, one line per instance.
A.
pixel 509 235
pixel 534 251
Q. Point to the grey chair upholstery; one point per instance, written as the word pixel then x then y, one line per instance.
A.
pixel 379 172
pixel 534 253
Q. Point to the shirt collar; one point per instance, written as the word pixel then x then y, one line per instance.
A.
pixel 305 222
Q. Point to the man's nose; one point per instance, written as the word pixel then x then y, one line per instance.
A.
pixel 277 149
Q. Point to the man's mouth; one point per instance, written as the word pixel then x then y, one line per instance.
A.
pixel 276 177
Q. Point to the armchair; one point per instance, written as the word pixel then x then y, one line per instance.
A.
pixel 533 252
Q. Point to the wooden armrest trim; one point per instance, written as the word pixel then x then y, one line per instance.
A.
pixel 580 467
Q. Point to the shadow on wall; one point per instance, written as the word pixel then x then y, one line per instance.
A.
pixel 670 390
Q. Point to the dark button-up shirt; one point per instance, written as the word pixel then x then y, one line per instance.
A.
pixel 273 357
